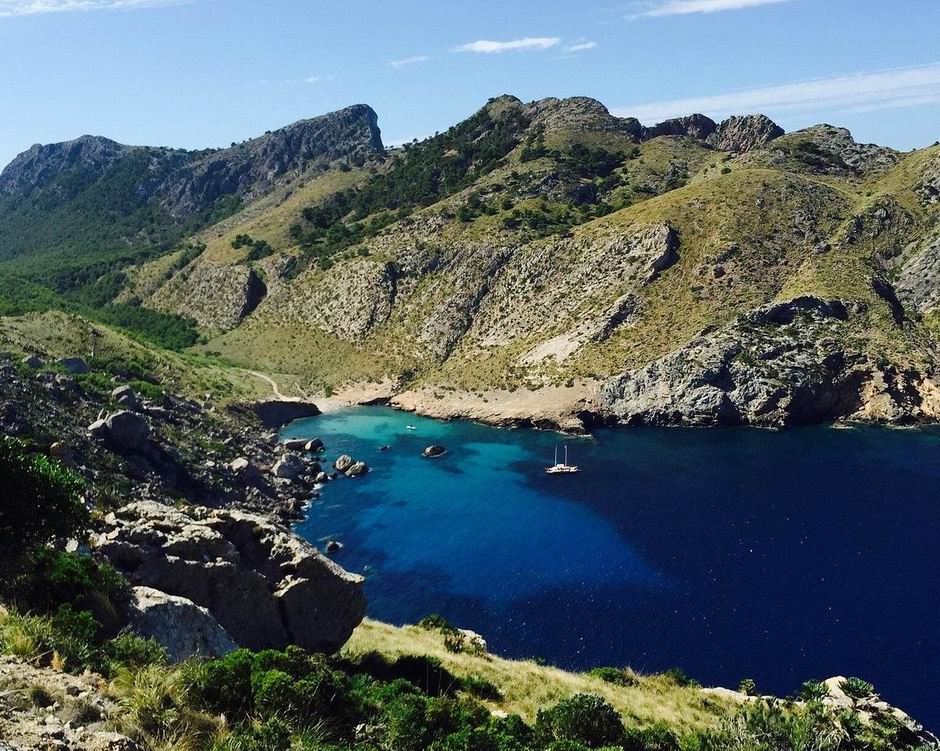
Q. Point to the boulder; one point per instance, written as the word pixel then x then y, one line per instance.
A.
pixel 264 585
pixel 314 445
pixel 127 430
pixel 288 467
pixel 125 396
pixel 343 463
pixel 276 413
pixel 295 444
pixel 434 451
pixel 181 627
pixel 357 469
pixel 62 452
pixel 74 365
pixel 32 361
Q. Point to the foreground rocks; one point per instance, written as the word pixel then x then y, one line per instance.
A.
pixel 263 585
pixel 77 719
pixel 276 413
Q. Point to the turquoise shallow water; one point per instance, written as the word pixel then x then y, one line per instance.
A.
pixel 731 553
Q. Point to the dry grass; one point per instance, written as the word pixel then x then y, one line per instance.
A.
pixel 527 686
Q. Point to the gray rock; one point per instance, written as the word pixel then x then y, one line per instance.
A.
pixel 125 396
pixel 264 585
pixel 288 467
pixel 744 133
pixel 343 463
pixel 127 430
pixel 33 361
pixel 181 627
pixel 74 365
pixel 434 451
pixel 314 445
pixel 357 469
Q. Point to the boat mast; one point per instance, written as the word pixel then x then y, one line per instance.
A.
pixel 556 454
pixel 566 454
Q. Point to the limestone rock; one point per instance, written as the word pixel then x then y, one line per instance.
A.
pixel 288 467
pixel 183 628
pixel 343 463
pixel 357 469
pixel 127 431
pixel 744 133
pixel 264 585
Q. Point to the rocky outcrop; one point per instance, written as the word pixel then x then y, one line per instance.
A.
pixel 264 585
pixel 214 296
pixel 181 627
pixel 694 126
pixel 781 364
pixel 186 182
pixel 744 132
pixel 276 413
pixel 918 283
pixel 126 431
pixel 929 187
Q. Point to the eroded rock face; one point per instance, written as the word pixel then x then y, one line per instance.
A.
pixel 181 627
pixel 919 280
pixel 264 585
pixel 276 413
pixel 929 188
pixel 214 296
pixel 780 364
pixel 744 132
pixel 693 126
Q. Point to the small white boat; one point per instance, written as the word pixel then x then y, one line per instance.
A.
pixel 410 427
pixel 562 468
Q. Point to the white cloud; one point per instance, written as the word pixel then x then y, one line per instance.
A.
pixel 316 79
pixel 487 47
pixel 580 47
pixel 660 8
pixel 413 60
pixel 31 7
pixel 884 89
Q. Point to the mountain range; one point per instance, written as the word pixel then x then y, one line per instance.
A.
pixel 542 263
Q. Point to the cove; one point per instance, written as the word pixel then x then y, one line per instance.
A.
pixel 731 553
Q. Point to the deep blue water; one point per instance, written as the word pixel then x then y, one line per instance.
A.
pixel 732 553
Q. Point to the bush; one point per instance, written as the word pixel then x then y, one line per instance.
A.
pixel 658 737
pixel 617 676
pixel 748 687
pixel 813 691
pixel 584 718
pixel 857 688
pixel 131 651
pixel 481 687
pixel 680 678
pixel 41 504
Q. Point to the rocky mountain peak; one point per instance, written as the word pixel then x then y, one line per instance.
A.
pixel 580 113
pixel 744 132
pixel 41 163
pixel 694 126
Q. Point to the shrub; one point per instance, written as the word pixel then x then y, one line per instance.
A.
pixel 131 651
pixel 658 737
pixel 41 503
pixel 481 687
pixel 617 676
pixel 582 718
pixel 434 622
pixel 748 687
pixel 813 691
pixel 680 678
pixel 857 688
pixel 39 696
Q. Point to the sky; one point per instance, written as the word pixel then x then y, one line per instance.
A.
pixel 206 73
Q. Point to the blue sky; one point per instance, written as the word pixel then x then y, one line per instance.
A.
pixel 197 73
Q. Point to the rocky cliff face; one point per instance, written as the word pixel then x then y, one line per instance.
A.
pixel 265 586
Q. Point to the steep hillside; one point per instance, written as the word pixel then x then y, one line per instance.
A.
pixel 551 263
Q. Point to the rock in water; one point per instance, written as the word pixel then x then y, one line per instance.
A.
pixel 434 451
pixel 357 469
pixel 343 463
pixel 264 585
pixel 288 467
pixel 181 627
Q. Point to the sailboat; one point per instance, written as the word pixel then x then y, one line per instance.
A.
pixel 564 467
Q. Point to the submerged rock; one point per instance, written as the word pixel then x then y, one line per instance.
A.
pixel 434 451
pixel 264 585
